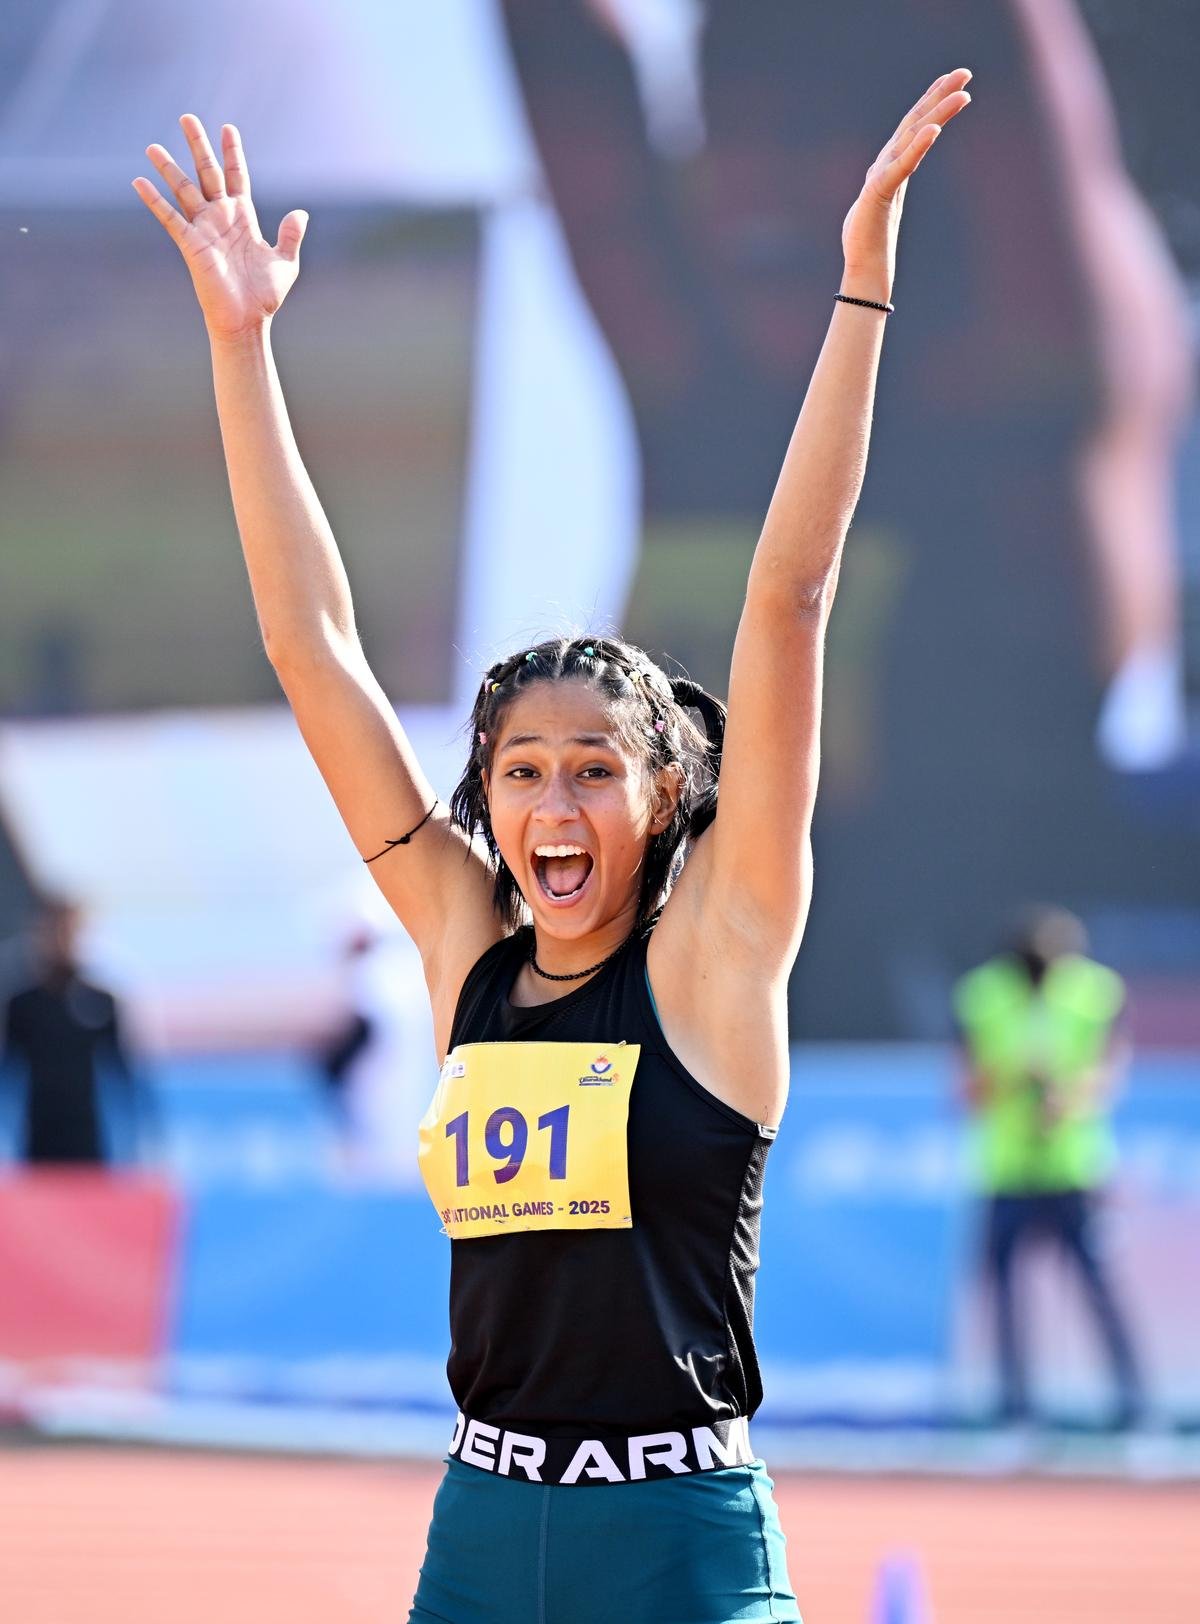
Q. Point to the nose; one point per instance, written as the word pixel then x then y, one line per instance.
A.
pixel 558 802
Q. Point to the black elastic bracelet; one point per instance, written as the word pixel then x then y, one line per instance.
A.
pixel 870 304
pixel 404 839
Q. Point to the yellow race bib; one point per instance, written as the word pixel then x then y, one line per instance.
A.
pixel 530 1136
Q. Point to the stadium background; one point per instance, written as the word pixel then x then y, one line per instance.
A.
pixel 566 277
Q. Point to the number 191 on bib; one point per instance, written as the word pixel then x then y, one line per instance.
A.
pixel 506 1138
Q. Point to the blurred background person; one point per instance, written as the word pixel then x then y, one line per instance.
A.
pixel 1043 1058
pixel 64 1054
pixel 335 1057
pixel 369 1063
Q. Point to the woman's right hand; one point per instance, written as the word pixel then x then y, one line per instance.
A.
pixel 240 280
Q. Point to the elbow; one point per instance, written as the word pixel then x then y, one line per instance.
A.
pixel 803 602
pixel 813 599
pixel 274 652
pixel 278 647
pixel 801 594
pixel 296 656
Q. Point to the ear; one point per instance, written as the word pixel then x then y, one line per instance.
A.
pixel 667 788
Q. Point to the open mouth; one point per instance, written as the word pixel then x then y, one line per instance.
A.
pixel 562 872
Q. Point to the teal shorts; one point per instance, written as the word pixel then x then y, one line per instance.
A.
pixel 702 1549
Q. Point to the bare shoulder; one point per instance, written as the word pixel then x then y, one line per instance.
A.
pixel 722 1001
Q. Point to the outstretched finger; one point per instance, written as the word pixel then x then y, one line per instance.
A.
pixel 187 194
pixel 946 85
pixel 939 114
pixel 208 171
pixel 170 219
pixel 291 233
pixel 903 165
pixel 237 176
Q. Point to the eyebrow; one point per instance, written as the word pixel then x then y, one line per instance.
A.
pixel 589 740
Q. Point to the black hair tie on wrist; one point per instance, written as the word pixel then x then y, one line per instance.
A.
pixel 403 840
pixel 869 304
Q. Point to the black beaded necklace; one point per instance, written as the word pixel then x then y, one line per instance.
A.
pixel 576 975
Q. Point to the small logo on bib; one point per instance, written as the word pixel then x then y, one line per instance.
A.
pixel 600 1074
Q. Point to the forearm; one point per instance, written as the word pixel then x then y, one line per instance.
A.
pixel 299 582
pixel 818 487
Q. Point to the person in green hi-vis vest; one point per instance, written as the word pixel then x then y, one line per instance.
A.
pixel 1039 1026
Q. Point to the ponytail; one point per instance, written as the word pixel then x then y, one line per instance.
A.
pixel 703 807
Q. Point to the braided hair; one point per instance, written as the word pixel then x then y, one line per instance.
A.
pixel 650 718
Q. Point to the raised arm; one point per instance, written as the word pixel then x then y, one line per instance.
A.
pixel 755 876
pixel 439 885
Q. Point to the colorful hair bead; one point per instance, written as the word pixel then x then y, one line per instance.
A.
pixel 532 655
pixel 483 738
pixel 495 687
pixel 659 724
pixel 589 650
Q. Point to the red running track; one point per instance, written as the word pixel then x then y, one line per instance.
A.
pixel 120 1536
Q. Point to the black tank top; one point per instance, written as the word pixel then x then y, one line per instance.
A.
pixel 617 1329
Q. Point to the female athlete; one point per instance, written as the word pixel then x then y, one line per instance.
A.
pixel 611 1019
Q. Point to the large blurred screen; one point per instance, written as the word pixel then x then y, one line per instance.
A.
pixel 1011 685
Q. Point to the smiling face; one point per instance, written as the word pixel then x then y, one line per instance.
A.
pixel 572 809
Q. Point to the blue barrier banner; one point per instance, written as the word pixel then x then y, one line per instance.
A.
pixel 290 1283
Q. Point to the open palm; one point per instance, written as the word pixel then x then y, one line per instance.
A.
pixel 240 279
pixel 869 232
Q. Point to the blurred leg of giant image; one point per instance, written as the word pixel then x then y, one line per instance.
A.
pixel 1145 348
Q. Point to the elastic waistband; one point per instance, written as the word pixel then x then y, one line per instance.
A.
pixel 603 1457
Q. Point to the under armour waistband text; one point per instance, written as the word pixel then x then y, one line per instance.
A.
pixel 606 1458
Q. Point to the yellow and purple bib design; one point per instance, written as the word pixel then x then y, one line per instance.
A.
pixel 523 1136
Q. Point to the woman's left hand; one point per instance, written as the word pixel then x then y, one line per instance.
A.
pixel 870 229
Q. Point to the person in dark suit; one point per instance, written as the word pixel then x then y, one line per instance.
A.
pixel 63 1034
